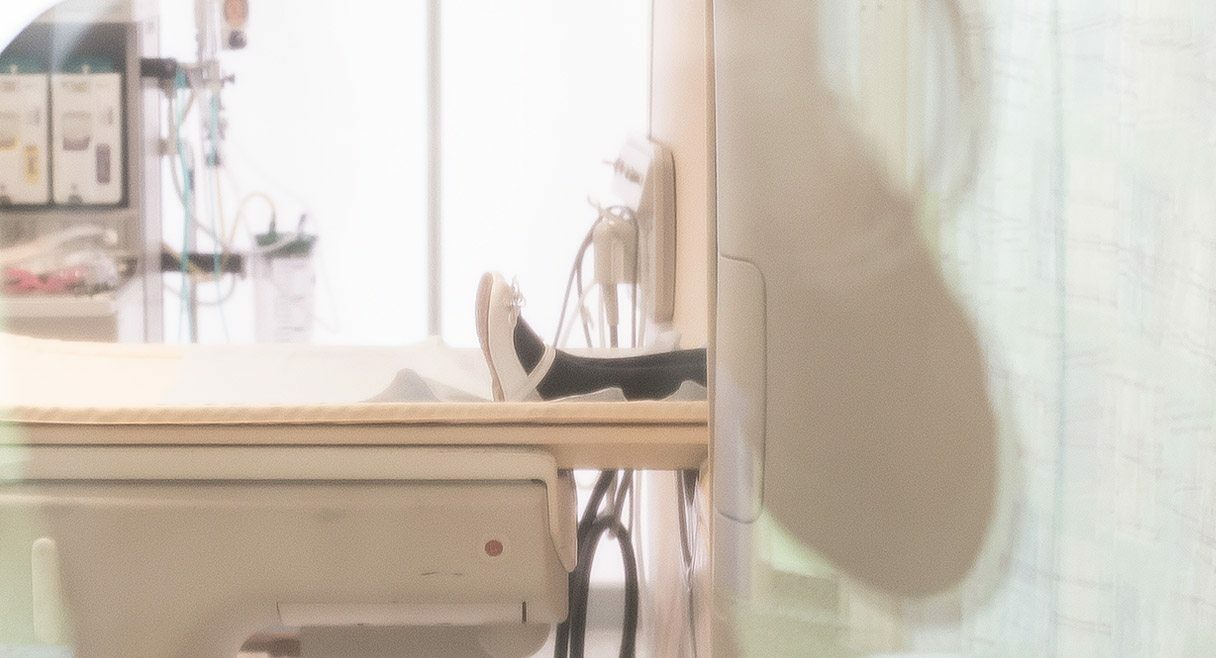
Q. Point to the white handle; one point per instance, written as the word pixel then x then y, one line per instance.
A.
pixel 47 592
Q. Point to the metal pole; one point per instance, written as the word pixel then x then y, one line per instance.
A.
pixel 434 37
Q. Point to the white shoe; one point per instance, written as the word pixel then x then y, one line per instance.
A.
pixel 498 308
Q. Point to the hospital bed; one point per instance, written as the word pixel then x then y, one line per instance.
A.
pixel 155 522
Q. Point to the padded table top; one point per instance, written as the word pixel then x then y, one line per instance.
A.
pixel 640 435
pixel 92 394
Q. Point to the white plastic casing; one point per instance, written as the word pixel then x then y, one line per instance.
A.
pixel 24 179
pixel 739 392
pixel 645 181
pixel 188 551
pixel 761 195
pixel 87 138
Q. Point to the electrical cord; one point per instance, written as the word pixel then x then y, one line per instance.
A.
pixel 244 207
pixel 582 307
pixel 590 512
pixel 593 525
pixel 624 494
pixel 609 246
pixel 220 249
pixel 686 487
pixel 215 231
pixel 608 525
pixel 607 522
pixel 188 316
pixel 192 186
pixel 575 274
pixel 685 534
pixel 614 491
pixel 185 184
pixel 575 280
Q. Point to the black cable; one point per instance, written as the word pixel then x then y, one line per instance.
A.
pixel 578 624
pixel 571 634
pixel 625 489
pixel 580 586
pixel 590 513
pixel 633 593
pixel 580 593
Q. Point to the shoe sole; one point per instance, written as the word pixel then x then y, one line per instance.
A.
pixel 484 291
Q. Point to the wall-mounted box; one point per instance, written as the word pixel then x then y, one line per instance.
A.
pixel 24 115
pixel 87 137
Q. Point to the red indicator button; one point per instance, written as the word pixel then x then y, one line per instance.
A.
pixel 493 548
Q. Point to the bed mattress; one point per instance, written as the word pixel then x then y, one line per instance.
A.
pixel 58 393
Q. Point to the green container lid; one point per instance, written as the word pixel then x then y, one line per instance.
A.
pixel 286 245
pixel 90 63
pixel 21 65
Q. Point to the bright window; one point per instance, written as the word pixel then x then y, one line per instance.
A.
pixel 328 116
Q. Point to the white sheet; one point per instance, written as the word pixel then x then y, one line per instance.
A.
pixel 38 374
pixel 41 373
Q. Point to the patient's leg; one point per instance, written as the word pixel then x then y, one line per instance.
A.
pixel 523 367
pixel 649 377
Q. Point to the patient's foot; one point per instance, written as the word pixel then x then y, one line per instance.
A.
pixel 517 357
pixel 523 367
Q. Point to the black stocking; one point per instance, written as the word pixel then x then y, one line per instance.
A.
pixel 649 377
